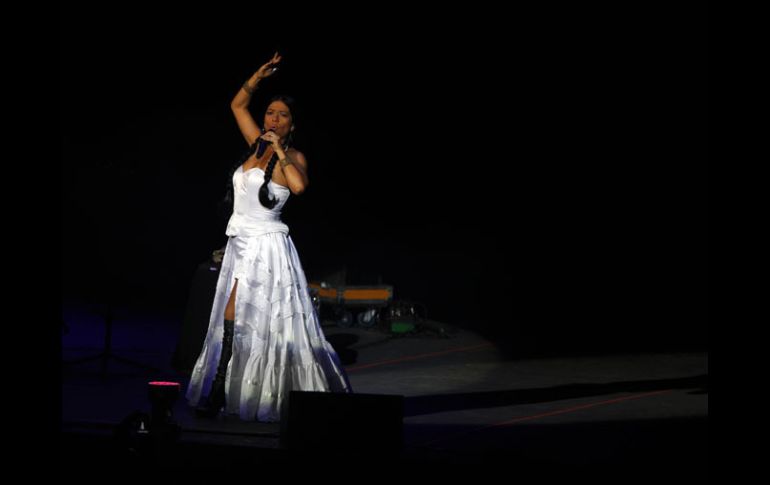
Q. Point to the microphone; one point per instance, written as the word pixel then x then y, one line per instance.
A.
pixel 262 146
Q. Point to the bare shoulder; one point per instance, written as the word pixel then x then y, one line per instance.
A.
pixel 298 157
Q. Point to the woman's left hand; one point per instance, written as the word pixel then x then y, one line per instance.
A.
pixel 273 138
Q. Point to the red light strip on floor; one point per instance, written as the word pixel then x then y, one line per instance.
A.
pixel 551 413
pixel 414 357
pixel 576 408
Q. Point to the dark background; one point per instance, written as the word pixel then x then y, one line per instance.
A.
pixel 536 174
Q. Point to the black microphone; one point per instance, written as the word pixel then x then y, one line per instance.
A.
pixel 263 145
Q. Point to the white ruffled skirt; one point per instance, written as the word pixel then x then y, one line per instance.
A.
pixel 278 344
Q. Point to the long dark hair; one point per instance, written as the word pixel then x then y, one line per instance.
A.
pixel 264 193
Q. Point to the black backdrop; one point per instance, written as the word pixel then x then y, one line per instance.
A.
pixel 538 175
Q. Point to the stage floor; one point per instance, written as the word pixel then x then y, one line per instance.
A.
pixel 465 402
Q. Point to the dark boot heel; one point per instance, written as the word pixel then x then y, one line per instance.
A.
pixel 216 398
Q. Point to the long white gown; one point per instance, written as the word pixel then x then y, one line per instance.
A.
pixel 278 344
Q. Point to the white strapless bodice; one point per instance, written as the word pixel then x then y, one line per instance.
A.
pixel 250 217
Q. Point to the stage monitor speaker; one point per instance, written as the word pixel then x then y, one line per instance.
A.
pixel 196 318
pixel 330 422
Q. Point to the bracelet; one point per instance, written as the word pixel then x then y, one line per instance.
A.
pixel 284 161
pixel 248 88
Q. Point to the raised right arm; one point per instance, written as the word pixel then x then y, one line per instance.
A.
pixel 240 103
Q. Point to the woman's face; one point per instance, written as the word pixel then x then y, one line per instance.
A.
pixel 278 118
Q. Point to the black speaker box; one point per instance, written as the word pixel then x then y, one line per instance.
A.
pixel 196 318
pixel 351 423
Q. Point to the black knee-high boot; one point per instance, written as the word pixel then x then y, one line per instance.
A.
pixel 216 399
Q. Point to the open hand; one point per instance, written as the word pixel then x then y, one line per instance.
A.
pixel 269 68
